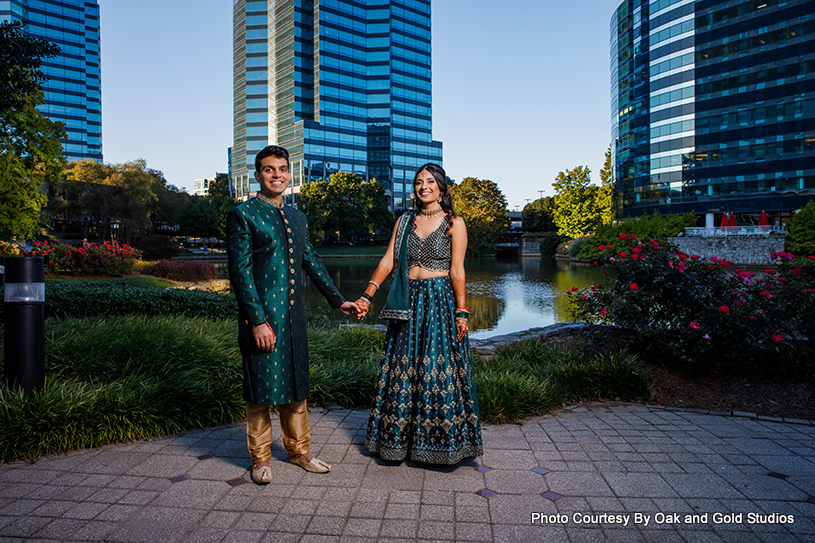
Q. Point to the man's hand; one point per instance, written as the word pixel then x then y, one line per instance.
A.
pixel 350 308
pixel 264 337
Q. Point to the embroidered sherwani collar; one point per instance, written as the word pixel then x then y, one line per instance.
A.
pixel 263 198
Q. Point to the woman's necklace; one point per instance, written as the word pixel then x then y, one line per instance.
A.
pixel 432 212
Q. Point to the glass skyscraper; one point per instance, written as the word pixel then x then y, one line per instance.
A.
pixel 73 93
pixel 713 106
pixel 344 85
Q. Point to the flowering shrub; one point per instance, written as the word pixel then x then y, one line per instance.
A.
pixel 183 270
pixel 108 258
pixel 692 312
pixel 648 228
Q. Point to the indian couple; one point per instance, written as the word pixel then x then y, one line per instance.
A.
pixel 425 407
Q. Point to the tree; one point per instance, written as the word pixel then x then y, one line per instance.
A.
pixel 21 56
pixel 538 216
pixel 30 147
pixel 222 200
pixel 606 190
pixel 483 207
pixel 345 208
pixel 577 203
pixel 801 239
pixel 200 219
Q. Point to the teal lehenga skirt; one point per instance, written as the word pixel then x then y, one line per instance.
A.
pixel 425 406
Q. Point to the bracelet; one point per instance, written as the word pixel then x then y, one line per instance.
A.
pixel 367 297
pixel 458 318
pixel 374 283
pixel 467 309
pixel 462 315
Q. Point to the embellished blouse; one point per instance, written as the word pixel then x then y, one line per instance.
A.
pixel 433 252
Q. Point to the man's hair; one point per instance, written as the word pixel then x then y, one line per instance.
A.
pixel 271 150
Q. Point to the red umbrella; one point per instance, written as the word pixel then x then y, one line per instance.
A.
pixel 732 219
pixel 725 221
pixel 762 220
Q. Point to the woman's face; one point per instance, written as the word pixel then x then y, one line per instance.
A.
pixel 426 189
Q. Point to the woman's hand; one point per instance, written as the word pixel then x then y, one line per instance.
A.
pixel 363 306
pixel 462 328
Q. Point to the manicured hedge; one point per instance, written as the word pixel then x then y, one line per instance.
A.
pixel 79 300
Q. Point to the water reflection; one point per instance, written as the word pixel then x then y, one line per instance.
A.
pixel 504 295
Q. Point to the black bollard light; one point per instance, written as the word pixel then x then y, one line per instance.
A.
pixel 24 315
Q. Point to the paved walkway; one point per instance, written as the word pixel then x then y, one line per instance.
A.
pixel 604 472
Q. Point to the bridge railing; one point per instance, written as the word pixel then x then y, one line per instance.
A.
pixel 747 230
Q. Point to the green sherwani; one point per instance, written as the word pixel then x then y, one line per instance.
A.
pixel 267 248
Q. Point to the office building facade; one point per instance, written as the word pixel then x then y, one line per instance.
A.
pixel 344 85
pixel 713 107
pixel 73 92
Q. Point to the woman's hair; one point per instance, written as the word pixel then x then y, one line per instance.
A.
pixel 446 202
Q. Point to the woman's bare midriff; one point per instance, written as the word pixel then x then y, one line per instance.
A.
pixel 418 272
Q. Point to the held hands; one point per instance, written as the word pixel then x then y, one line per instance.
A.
pixel 351 309
pixel 364 306
pixel 265 338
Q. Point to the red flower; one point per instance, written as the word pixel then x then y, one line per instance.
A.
pixel 694 257
pixel 694 325
pixel 655 244
pixel 603 312
pixel 634 286
pixel 796 271
pixel 623 236
pixel 622 254
pixel 778 338
pixel 601 247
pixel 574 289
pixel 636 250
pixel 724 309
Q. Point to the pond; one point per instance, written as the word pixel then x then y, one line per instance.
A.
pixel 504 294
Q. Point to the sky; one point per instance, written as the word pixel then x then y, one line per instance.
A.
pixel 520 92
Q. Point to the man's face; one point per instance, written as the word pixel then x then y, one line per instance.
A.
pixel 273 177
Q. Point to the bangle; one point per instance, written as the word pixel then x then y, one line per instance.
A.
pixel 467 309
pixel 365 296
pixel 462 315
pixel 374 283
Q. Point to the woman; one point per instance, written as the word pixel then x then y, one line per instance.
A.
pixel 425 406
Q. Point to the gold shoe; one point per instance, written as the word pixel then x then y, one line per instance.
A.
pixel 262 475
pixel 314 466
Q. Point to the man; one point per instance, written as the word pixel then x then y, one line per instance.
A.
pixel 268 246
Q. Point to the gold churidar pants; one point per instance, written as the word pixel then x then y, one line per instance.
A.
pixel 293 427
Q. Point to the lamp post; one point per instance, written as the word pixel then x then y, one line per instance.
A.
pixel 24 313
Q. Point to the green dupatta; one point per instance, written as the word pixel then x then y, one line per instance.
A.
pixel 397 307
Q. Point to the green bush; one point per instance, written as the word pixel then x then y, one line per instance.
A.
pixel 106 258
pixel 183 270
pixel 576 244
pixel 801 238
pixel 156 247
pixel 531 377
pixel 550 242
pixel 87 299
pixel 694 313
